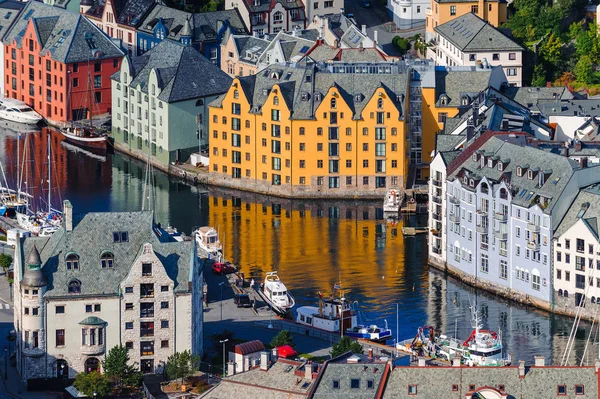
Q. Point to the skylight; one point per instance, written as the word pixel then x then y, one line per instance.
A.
pixel 555 181
pixel 304 49
pixel 529 195
pixel 28 15
pixel 8 14
pixel 522 193
pixel 60 41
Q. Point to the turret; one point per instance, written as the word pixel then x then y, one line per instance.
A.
pixel 32 290
pixel 187 33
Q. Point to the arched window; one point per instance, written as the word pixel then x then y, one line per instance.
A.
pixel 200 103
pixel 92 364
pixel 72 261
pixel 503 193
pixel 484 188
pixel 236 93
pixel 62 369
pixel 560 292
pixel 278 17
pixel 275 100
pixel 74 287
pixel 224 120
pixel 302 131
pixel 593 299
pixel 333 103
pixel 566 294
pixel 380 103
pixel 107 259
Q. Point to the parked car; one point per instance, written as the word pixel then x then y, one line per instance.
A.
pixel 223 268
pixel 366 4
pixel 242 301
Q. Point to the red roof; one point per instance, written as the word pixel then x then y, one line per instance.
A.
pixel 286 351
pixel 249 347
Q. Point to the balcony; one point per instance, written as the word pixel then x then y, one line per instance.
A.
pixel 454 200
pixel 482 212
pixel 436 250
pixel 93 349
pixel 533 227
pixel 532 245
pixel 502 217
pixel 454 218
pixel 437 233
pixel 436 199
pixel 428 11
pixel 437 183
pixel 501 235
pixel 481 229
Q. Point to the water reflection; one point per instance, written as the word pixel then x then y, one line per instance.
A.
pixel 312 244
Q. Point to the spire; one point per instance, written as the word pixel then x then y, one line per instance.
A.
pixel 34 260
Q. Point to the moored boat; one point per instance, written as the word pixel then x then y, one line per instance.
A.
pixel 391 202
pixel 84 137
pixel 331 315
pixel 371 333
pixel 208 240
pixel 17 111
pixel 275 293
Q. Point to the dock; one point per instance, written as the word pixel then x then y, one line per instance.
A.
pixel 412 231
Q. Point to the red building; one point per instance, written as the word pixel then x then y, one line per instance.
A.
pixel 59 63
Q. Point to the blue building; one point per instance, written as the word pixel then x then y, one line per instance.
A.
pixel 203 31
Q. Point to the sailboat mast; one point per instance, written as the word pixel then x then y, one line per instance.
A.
pixel 18 166
pixel 90 93
pixel 49 174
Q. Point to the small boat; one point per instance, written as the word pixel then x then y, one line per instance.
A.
pixel 371 333
pixel 208 239
pixel 18 111
pixel 274 292
pixel 391 202
pixel 331 315
pixel 84 137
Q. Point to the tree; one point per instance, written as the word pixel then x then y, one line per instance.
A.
pixel 115 363
pixel 91 383
pixel 181 365
pixel 5 261
pixel 584 70
pixel 346 344
pixel 551 50
pixel 402 44
pixel 283 338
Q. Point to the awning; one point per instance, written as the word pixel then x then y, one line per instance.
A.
pixel 74 392
pixel 286 351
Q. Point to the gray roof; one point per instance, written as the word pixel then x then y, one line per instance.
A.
pixel 183 73
pixel 538 382
pixel 246 44
pixel 448 142
pixel 33 276
pixel 529 96
pixel 458 82
pixel 67 36
pixel 558 169
pixel 470 33
pixel 324 52
pixel 267 5
pixel 574 107
pixel 9 11
pixel 205 26
pixel 127 12
pixel 586 207
pixel 300 95
pixel 469 1
pixel 92 234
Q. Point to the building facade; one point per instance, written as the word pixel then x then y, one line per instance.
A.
pixel 408 14
pixel 240 54
pixel 65 73
pixel 469 40
pixel 265 17
pixel 10 10
pixel 104 279
pixel 160 102
pixel 119 19
pixel 301 130
pixel 442 11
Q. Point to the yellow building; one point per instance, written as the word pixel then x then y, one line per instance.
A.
pixel 337 130
pixel 442 11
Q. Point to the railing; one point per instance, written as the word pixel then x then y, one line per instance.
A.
pixel 501 235
pixel 92 349
pixel 481 229
pixel 500 216
pixel 437 200
pixel 437 233
pixel 437 183
pixel 437 250
pixel 533 227
pixel 482 211
pixel 437 216
pixel 454 218
pixel 454 200
pixel 534 246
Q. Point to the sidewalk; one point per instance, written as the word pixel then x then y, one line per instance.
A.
pixel 13 388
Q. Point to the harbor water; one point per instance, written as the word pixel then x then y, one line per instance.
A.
pixel 312 244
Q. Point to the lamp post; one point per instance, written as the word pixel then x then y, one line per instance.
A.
pixel 221 285
pixel 95 394
pixel 6 363
pixel 224 342
pixel 62 374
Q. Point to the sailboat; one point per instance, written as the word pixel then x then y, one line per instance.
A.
pixel 86 136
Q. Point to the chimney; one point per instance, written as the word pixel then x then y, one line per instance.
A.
pixel 470 130
pixel 540 361
pixel 255 34
pixel 375 38
pixel 535 143
pixel 597 365
pixel 364 30
pixel 583 163
pixel 230 369
pixel 265 358
pixel 456 361
pixel 370 353
pixel 422 362
pixel 294 32
pixel 578 145
pixel 274 354
pixel 475 110
pixel 548 84
pixel 308 370
pixel 68 215
pixel 521 368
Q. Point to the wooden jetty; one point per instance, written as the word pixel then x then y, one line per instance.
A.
pixel 412 231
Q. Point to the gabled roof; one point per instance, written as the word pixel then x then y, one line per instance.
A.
pixel 585 207
pixel 68 37
pixel 183 73
pixel 470 33
pixel 127 12
pixel 267 5
pixel 456 82
pixel 249 45
pixel 9 11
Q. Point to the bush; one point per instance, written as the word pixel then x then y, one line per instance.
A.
pixel 283 338
pixel 5 261
pixel 182 365
pixel 402 44
pixel 91 383
pixel 346 344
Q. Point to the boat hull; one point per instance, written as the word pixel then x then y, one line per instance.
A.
pixel 97 143
pixel 377 337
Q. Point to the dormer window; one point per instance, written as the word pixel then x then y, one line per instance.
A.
pixel 120 236
pixel 500 166
pixel 358 98
pixel 471 183
pixel 274 75
pixel 474 157
pixel 72 261
pixel 444 99
pixel 317 96
pixel 275 100
pixel 490 163
pixel 107 260
pixel 519 171
pixel 74 287
pixel 400 98
pixel 465 179
pixel 530 174
pixel 465 100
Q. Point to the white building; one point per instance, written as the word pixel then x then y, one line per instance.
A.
pixel 469 40
pixel 503 201
pixel 577 252
pixel 408 14
pixel 161 99
pixel 266 17
pixel 102 280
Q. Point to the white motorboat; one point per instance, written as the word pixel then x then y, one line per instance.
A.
pixel 274 292
pixel 18 111
pixel 371 333
pixel 331 314
pixel 208 239
pixel 391 202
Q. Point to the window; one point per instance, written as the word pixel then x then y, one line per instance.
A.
pixel 74 287
pixel 511 56
pixel 106 260
pixel 164 288
pixel 60 337
pixel 452 10
pixel 578 388
pixel 35 311
pixel 129 290
pixel 164 343
pixel 129 325
pixel 97 81
pixel 475 9
pixel 535 282
pixel 72 262
pixel 129 306
pixel 120 236
pixel 164 324
pixel 129 345
pixel 146 269
pixel 354 383
pixel 336 384
pixel 412 389
pixel 147 309
pixel 164 305
pixel 146 329
pixel 60 309
pixel 146 348
pixel 567 244
pixel 442 117
pixel 454 388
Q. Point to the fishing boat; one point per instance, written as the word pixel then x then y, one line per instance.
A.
pixel 371 333
pixel 17 111
pixel 275 294
pixel 481 348
pixel 334 314
pixel 208 240
pixel 391 202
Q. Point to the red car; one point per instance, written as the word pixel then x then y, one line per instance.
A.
pixel 223 268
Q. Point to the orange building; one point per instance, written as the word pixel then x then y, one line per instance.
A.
pixel 59 63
